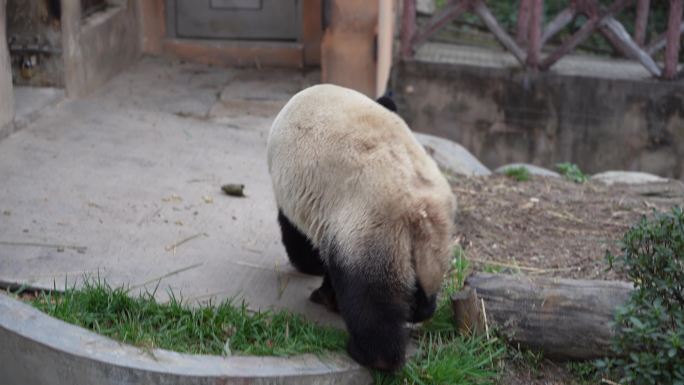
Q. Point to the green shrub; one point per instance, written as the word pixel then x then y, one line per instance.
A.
pixel 571 172
pixel 521 174
pixel 650 327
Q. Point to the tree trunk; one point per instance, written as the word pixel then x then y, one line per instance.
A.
pixel 563 318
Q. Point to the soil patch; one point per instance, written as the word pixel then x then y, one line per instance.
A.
pixel 552 226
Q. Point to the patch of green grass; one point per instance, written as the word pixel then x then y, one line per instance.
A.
pixel 571 172
pixel 520 174
pixel 449 359
pixel 494 269
pixel 444 356
pixel 585 372
pixel 222 329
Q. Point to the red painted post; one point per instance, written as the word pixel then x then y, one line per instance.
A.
pixel 641 22
pixel 522 30
pixel 408 28
pixel 534 37
pixel 673 38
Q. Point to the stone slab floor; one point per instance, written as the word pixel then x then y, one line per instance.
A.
pixel 125 184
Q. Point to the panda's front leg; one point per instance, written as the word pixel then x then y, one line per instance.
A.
pixel 325 295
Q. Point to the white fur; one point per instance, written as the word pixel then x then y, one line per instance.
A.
pixel 345 167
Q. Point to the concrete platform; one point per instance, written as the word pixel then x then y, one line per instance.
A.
pixel 125 184
pixel 30 102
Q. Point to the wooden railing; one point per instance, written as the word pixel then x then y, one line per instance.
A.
pixel 531 35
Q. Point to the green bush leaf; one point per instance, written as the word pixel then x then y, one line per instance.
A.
pixel 649 327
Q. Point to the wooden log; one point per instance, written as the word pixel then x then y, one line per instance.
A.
pixel 558 23
pixel 563 318
pixel 659 42
pixel 450 12
pixel 674 22
pixel 408 28
pixel 620 39
pixel 490 21
pixel 641 22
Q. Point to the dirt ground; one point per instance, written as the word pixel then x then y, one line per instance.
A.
pixel 551 227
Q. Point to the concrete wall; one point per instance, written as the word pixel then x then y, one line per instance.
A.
pixel 99 47
pixel 6 94
pixel 505 116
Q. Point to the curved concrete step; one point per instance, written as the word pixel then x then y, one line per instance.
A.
pixel 38 349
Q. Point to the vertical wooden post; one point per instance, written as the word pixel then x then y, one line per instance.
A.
pixel 641 22
pixel 386 17
pixel 534 36
pixel 408 28
pixel 673 38
pixel 523 26
pixel 312 31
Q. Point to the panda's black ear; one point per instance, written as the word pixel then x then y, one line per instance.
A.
pixel 387 101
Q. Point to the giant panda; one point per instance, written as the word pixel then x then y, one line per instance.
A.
pixel 362 204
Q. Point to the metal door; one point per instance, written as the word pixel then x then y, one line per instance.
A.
pixel 235 19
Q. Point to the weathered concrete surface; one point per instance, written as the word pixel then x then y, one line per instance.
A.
pixel 30 102
pixel 451 157
pixel 626 177
pixel 504 116
pixel 37 349
pixel 532 169
pixel 135 169
pixel 99 47
pixel 6 95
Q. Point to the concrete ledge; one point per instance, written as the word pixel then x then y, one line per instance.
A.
pixel 38 349
pixel 237 53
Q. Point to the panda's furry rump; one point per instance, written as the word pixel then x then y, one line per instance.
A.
pixel 345 167
pixel 362 203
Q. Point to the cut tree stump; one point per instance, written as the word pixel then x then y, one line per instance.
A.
pixel 563 318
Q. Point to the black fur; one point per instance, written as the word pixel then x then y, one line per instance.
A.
pixel 325 295
pixel 301 252
pixel 372 309
pixel 387 101
pixel 423 307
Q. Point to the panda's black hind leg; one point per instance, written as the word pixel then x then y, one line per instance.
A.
pixel 423 306
pixel 325 295
pixel 303 256
pixel 374 313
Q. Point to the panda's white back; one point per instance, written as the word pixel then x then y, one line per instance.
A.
pixel 339 160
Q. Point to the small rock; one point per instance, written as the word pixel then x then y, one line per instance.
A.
pixel 233 189
pixel 174 198
pixel 532 169
pixel 627 177
pixel 451 156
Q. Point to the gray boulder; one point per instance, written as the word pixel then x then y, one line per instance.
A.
pixel 532 169
pixel 451 157
pixel 426 7
pixel 626 177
